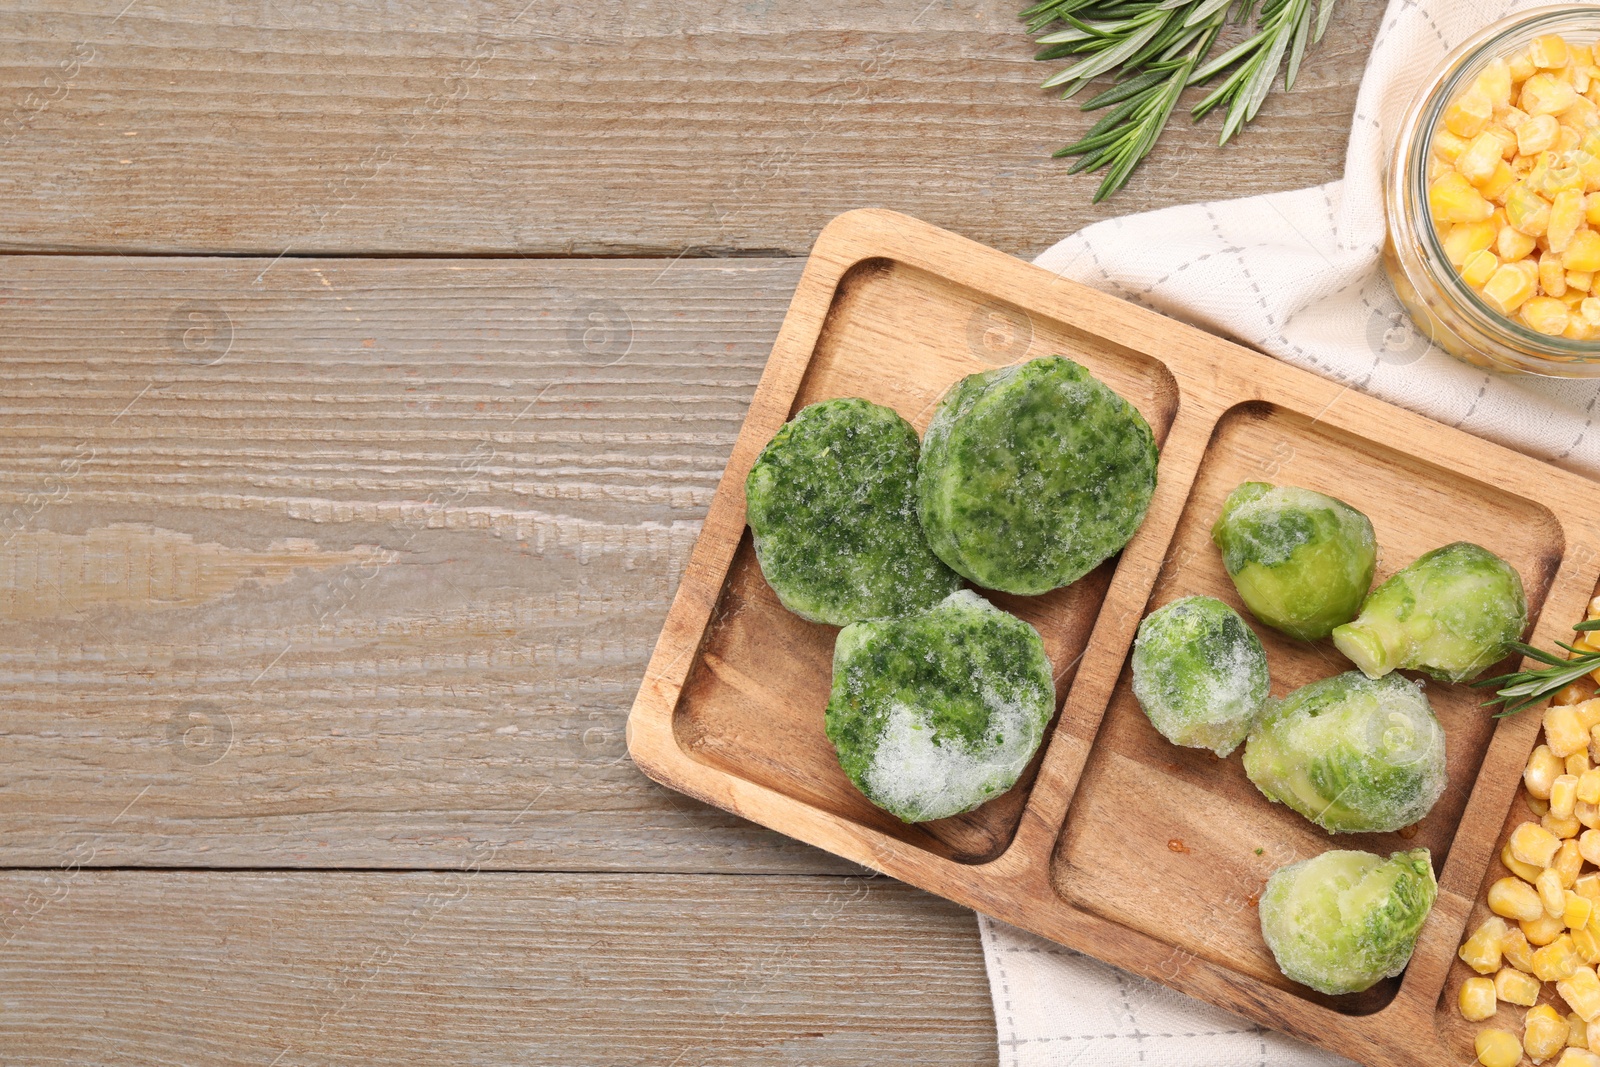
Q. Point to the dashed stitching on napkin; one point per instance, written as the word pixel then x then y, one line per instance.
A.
pixel 1588 421
pixel 1005 997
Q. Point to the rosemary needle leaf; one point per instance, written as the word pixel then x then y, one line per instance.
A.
pixel 1523 689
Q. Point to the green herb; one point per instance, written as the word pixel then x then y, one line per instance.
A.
pixel 1154 49
pixel 1523 689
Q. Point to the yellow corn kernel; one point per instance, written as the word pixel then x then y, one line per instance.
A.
pixel 1574 1056
pixel 1532 843
pixel 1497 185
pixel 1526 210
pixel 1552 277
pixel 1580 281
pixel 1568 862
pixel 1583 251
pixel 1588 713
pixel 1537 134
pixel 1465 238
pixel 1526 871
pixel 1516 987
pixel 1548 53
pixel 1477 999
pixel 1517 952
pixel 1479 267
pixel 1470 112
pixel 1541 808
pixel 1581 991
pixel 1511 244
pixel 1447 146
pixel 1481 951
pixel 1564 731
pixel 1588 885
pixel 1566 215
pixel 1590 310
pixel 1542 94
pixel 1543 931
pixel 1564 794
pixel 1507 289
pixel 1551 893
pixel 1578 762
pixel 1561 828
pixel 1555 961
pixel 1453 199
pixel 1586 944
pixel 1522 66
pixel 1589 780
pixel 1577 1031
pixel 1544 1033
pixel 1481 157
pixel 1579 116
pixel 1494 81
pixel 1585 813
pixel 1577 911
pixel 1592 1035
pixel 1497 1048
pixel 1542 770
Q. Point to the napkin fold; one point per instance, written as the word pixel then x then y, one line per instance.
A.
pixel 1295 275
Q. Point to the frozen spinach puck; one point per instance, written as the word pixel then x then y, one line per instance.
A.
pixel 1033 475
pixel 934 713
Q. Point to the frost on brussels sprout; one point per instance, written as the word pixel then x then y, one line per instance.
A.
pixel 1450 614
pixel 1350 753
pixel 832 505
pixel 1342 921
pixel 1033 475
pixel 934 713
pixel 1200 674
pixel 1301 561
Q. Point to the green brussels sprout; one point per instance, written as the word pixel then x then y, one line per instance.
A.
pixel 1301 561
pixel 1341 921
pixel 1350 753
pixel 1200 674
pixel 934 713
pixel 1450 614
pixel 1031 476
pixel 831 502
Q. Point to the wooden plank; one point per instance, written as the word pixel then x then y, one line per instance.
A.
pixel 151 967
pixel 358 563
pixel 894 310
pixel 628 126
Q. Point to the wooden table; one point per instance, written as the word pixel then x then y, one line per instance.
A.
pixel 367 370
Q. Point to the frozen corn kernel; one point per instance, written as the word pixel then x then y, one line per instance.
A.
pixel 1586 944
pixel 1568 863
pixel 1576 911
pixel 1479 268
pixel 1543 931
pixel 1447 146
pixel 1497 1048
pixel 1552 277
pixel 1508 289
pixel 1477 999
pixel 1472 110
pixel 1526 871
pixel 1583 251
pixel 1516 951
pixel 1580 281
pixel 1452 198
pixel 1574 1056
pixel 1566 215
pixel 1537 134
pixel 1581 991
pixel 1551 893
pixel 1511 244
pixel 1589 780
pixel 1586 813
pixel 1481 951
pixel 1495 187
pixel 1548 52
pixel 1526 210
pixel 1516 987
pixel 1544 1033
pixel 1541 808
pixel 1541 772
pixel 1563 793
pixel 1532 843
pixel 1592 1034
pixel 1494 82
pixel 1477 163
pixel 1467 238
pixel 1577 1031
pixel 1565 731
pixel 1555 961
pixel 1542 94
pixel 1554 824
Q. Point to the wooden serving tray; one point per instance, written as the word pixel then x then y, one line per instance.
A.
pixel 1116 843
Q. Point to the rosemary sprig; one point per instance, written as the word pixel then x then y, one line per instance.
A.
pixel 1527 688
pixel 1154 49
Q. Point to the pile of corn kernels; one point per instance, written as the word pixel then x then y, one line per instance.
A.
pixel 1546 922
pixel 1514 186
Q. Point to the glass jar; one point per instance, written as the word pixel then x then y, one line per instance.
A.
pixel 1443 306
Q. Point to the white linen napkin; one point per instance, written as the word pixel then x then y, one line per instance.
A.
pixel 1296 275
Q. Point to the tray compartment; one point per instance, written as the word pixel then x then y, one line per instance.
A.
pixel 752 704
pixel 1178 843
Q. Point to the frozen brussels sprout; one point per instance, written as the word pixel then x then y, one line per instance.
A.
pixel 1350 753
pixel 932 714
pixel 1200 673
pixel 1033 475
pixel 1450 614
pixel 1341 921
pixel 832 503
pixel 1301 561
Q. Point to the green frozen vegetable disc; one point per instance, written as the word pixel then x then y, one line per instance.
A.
pixel 1452 613
pixel 1341 921
pixel 1200 674
pixel 1350 753
pixel 832 503
pixel 1301 561
pixel 934 713
pixel 1033 475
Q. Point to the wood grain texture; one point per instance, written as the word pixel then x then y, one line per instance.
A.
pixel 1124 847
pixel 625 126
pixel 305 968
pixel 357 563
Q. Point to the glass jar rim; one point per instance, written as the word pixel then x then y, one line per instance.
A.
pixel 1412 152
